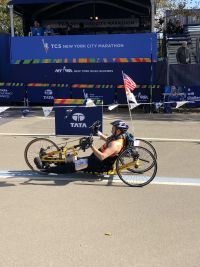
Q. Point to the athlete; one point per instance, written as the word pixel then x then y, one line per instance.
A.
pixel 102 159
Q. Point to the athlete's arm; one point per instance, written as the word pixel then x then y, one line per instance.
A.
pixel 114 147
pixel 102 136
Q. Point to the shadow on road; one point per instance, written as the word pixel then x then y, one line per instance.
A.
pixel 34 178
pixel 5 184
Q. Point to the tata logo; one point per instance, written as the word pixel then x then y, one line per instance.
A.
pixel 78 118
pixel 48 92
pixel 46 46
pixel 3 91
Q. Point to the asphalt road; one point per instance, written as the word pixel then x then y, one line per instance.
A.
pixel 52 222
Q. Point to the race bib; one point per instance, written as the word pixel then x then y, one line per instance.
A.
pixel 81 164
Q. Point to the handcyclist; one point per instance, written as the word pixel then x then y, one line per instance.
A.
pixel 102 159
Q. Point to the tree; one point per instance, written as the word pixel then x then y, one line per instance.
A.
pixel 5 19
pixel 177 7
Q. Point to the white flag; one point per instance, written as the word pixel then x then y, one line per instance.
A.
pixel 130 97
pixel 158 105
pixel 90 103
pixel 47 111
pixel 113 106
pixel 133 105
pixel 2 109
pixel 180 103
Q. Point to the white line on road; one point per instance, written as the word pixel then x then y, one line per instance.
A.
pixel 21 175
pixel 156 139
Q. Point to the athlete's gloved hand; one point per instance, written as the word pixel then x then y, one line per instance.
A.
pixel 95 127
pixel 90 141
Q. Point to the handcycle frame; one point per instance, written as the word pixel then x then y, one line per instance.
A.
pixel 59 154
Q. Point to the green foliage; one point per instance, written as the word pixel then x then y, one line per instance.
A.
pixel 179 7
pixel 5 19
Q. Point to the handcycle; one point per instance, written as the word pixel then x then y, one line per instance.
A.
pixel 136 166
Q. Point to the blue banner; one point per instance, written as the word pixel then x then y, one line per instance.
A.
pixel 40 95
pixel 76 120
pixel 192 94
pixel 12 94
pixel 118 48
pixel 182 93
pixel 106 94
pixel 5 57
pixel 45 94
pixel 62 92
pixel 96 74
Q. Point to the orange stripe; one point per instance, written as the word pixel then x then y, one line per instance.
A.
pixel 69 101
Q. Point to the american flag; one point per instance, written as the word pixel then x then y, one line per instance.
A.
pixel 129 84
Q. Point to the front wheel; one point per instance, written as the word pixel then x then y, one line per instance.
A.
pixel 136 166
pixel 37 148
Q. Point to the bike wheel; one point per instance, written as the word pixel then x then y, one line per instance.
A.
pixel 34 148
pixel 146 144
pixel 136 167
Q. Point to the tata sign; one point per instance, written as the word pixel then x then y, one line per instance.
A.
pixel 76 120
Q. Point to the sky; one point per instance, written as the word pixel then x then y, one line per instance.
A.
pixel 192 3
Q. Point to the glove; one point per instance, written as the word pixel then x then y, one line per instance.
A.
pixel 96 127
pixel 90 141
pixel 95 130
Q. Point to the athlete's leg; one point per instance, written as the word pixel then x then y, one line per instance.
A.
pixel 68 167
pixel 61 168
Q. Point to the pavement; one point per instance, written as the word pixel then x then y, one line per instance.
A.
pixel 79 221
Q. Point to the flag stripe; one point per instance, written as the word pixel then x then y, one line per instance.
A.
pixel 129 84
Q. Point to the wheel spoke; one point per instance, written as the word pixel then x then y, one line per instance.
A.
pixel 136 171
pixel 33 150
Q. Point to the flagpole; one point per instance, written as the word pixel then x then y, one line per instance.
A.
pixel 128 105
pixel 151 89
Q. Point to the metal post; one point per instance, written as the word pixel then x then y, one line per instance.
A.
pixel 11 20
pixel 152 15
pixel 151 89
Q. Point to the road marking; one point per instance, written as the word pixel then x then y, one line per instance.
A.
pixel 24 175
pixel 156 139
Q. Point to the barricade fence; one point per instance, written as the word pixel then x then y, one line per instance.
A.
pixel 20 94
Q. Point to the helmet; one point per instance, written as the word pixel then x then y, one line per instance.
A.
pixel 120 125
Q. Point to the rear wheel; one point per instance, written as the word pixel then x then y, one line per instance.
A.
pixel 38 148
pixel 146 144
pixel 136 166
